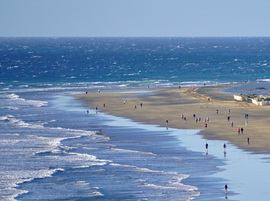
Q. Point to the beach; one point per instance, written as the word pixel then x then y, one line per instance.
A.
pixel 133 136
pixel 172 104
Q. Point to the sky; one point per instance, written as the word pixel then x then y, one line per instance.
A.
pixel 134 18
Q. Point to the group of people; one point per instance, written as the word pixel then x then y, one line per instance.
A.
pixel 206 121
pixel 135 106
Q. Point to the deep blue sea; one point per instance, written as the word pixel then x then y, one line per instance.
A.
pixel 48 147
pixel 35 60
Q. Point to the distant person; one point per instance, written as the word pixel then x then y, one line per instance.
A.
pixel 194 115
pixel 141 104
pixel 86 92
pixel 228 118
pixel 226 191
pixel 206 147
pixel 217 111
pixel 87 111
pixel 229 111
pixel 226 188
pixel 248 140
pixel 232 124
pixel 104 105
pixel 135 107
pixel 96 109
pixel 242 130
pixel 205 125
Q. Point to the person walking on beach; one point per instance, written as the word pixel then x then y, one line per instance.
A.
pixel 167 123
pixel 248 140
pixel 232 124
pixel 194 115
pixel 96 110
pixel 228 118
pixel 104 105
pixel 226 191
pixel 135 107
pixel 217 111
pixel 141 104
pixel 206 148
pixel 242 130
pixel 224 149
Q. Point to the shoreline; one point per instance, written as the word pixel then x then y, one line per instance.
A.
pixel 230 171
pixel 171 103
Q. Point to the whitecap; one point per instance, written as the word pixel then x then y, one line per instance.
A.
pixel 21 101
pixel 263 80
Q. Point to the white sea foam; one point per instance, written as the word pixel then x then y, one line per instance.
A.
pixel 264 80
pixel 20 123
pixel 10 107
pixel 21 101
pixel 139 169
pixel 174 183
pixel 11 178
pixel 132 151
pixel 96 194
pixel 74 133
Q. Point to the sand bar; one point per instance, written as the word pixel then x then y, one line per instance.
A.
pixel 171 103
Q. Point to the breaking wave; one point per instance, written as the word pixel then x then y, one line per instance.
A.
pixel 21 101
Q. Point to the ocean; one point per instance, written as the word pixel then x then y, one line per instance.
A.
pixel 52 149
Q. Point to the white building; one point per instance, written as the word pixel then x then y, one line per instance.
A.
pixel 239 97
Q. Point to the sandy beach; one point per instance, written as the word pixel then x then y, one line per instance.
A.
pixel 176 105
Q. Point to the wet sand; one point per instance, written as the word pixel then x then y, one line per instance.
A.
pixel 170 104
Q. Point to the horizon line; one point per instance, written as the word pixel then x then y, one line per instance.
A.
pixel 135 36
